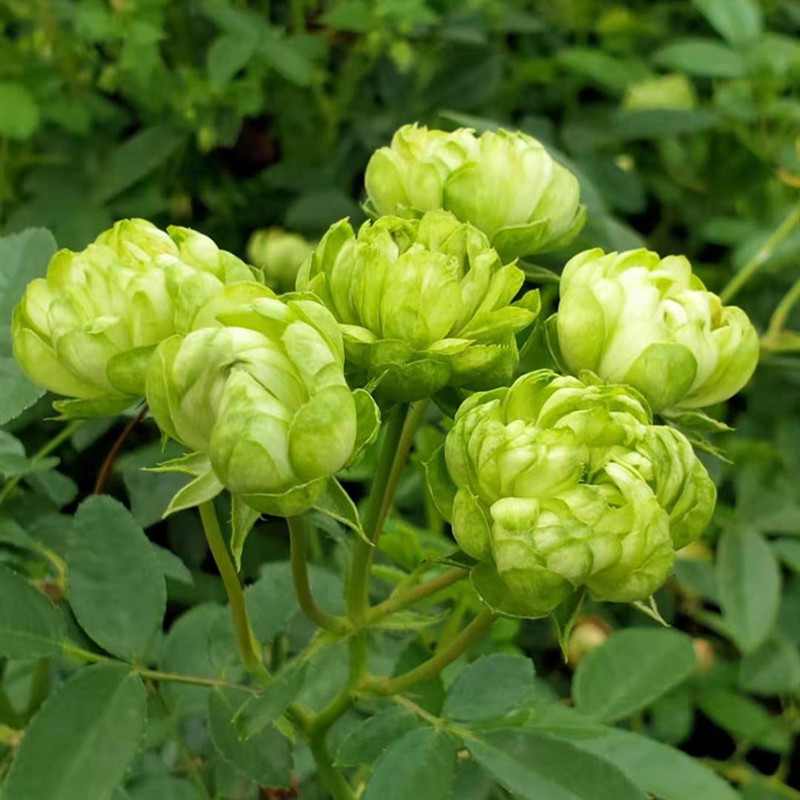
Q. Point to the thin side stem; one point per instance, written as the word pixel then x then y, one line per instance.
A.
pixel 298 538
pixel 43 451
pixel 766 250
pixel 778 321
pixel 433 666
pixel 108 463
pixel 248 646
pixel 155 675
pixel 405 598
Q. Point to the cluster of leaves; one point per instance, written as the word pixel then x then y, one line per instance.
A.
pixel 680 120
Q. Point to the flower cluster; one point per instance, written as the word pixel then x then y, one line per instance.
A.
pixel 263 395
pixel 555 484
pixel 88 329
pixel 506 184
pixel 649 322
pixel 562 485
pixel 422 303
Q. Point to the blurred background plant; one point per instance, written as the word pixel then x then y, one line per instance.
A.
pixel 681 120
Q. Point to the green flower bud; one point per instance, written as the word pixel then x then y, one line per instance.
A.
pixel 422 303
pixel 279 255
pixel 506 184
pixel 648 322
pixel 561 485
pixel 88 328
pixel 265 398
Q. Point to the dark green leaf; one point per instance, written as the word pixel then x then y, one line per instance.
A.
pixel 660 770
pixel 264 758
pixel 228 54
pixel 275 697
pixel 703 57
pixel 533 766
pixel 116 584
pixel 30 625
pixel 24 256
pixel 82 742
pixel 421 764
pixel 748 580
pixel 744 719
pixel 773 669
pixel 630 670
pixel 490 687
pixel 134 159
pixel 187 650
pixel 19 112
pixel 738 21
pixel 164 787
pixel 367 741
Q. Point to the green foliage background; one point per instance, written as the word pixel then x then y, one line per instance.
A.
pixel 682 121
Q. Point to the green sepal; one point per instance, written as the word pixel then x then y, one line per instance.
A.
pixel 126 370
pixel 203 488
pixel 649 607
pixel 88 409
pixel 694 422
pixel 551 337
pixel 337 504
pixel 290 503
pixel 496 595
pixel 537 273
pixel 440 484
pixel 409 621
pixel 243 518
pixel 520 240
pixel 194 464
pixel 564 617
pixel 368 418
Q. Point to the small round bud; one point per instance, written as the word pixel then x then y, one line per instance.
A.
pixel 587 635
pixel 279 255
pixel 88 328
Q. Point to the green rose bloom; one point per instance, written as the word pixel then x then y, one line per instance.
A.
pixel 648 322
pixel 279 255
pixel 88 328
pixel 506 184
pixel 264 397
pixel 422 304
pixel 560 485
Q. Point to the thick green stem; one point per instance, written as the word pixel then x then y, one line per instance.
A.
pixel 248 645
pixel 766 250
pixel 298 537
pixel 405 598
pixel 337 784
pixel 433 666
pixel 357 600
pixel 45 450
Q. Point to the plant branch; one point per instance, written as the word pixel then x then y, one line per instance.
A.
pixel 399 436
pixel 298 537
pixel 248 646
pixel 108 464
pixel 433 666
pixel 337 784
pixel 403 598
pixel 763 254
